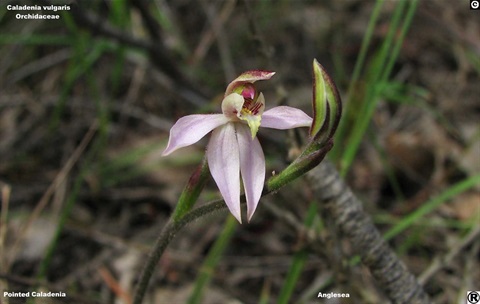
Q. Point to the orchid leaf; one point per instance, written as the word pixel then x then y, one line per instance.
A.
pixel 319 100
pixel 326 104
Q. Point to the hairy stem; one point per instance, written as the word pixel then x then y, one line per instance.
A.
pixel 168 233
pixel 346 211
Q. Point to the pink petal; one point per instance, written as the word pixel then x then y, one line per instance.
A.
pixel 249 77
pixel 284 117
pixel 190 129
pixel 252 167
pixel 224 163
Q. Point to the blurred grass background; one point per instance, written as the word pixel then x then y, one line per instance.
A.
pixel 86 103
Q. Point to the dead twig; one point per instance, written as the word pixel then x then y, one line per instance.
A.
pixel 208 36
pixel 114 285
pixel 159 55
pixel 53 187
pixel 217 22
pixel 443 261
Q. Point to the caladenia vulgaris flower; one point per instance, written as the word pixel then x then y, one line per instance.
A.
pixel 234 150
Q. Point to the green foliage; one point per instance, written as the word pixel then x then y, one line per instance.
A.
pixel 361 103
pixel 298 261
pixel 214 256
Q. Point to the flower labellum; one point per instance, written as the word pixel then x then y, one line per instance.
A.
pixel 234 150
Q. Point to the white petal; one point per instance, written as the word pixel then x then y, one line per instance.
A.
pixel 284 117
pixel 224 164
pixel 232 105
pixel 252 167
pixel 190 129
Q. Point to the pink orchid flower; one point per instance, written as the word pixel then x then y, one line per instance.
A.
pixel 233 148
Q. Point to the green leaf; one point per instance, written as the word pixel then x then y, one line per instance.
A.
pixel 319 99
pixel 327 107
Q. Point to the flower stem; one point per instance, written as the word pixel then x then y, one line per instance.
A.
pixel 304 163
pixel 167 234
